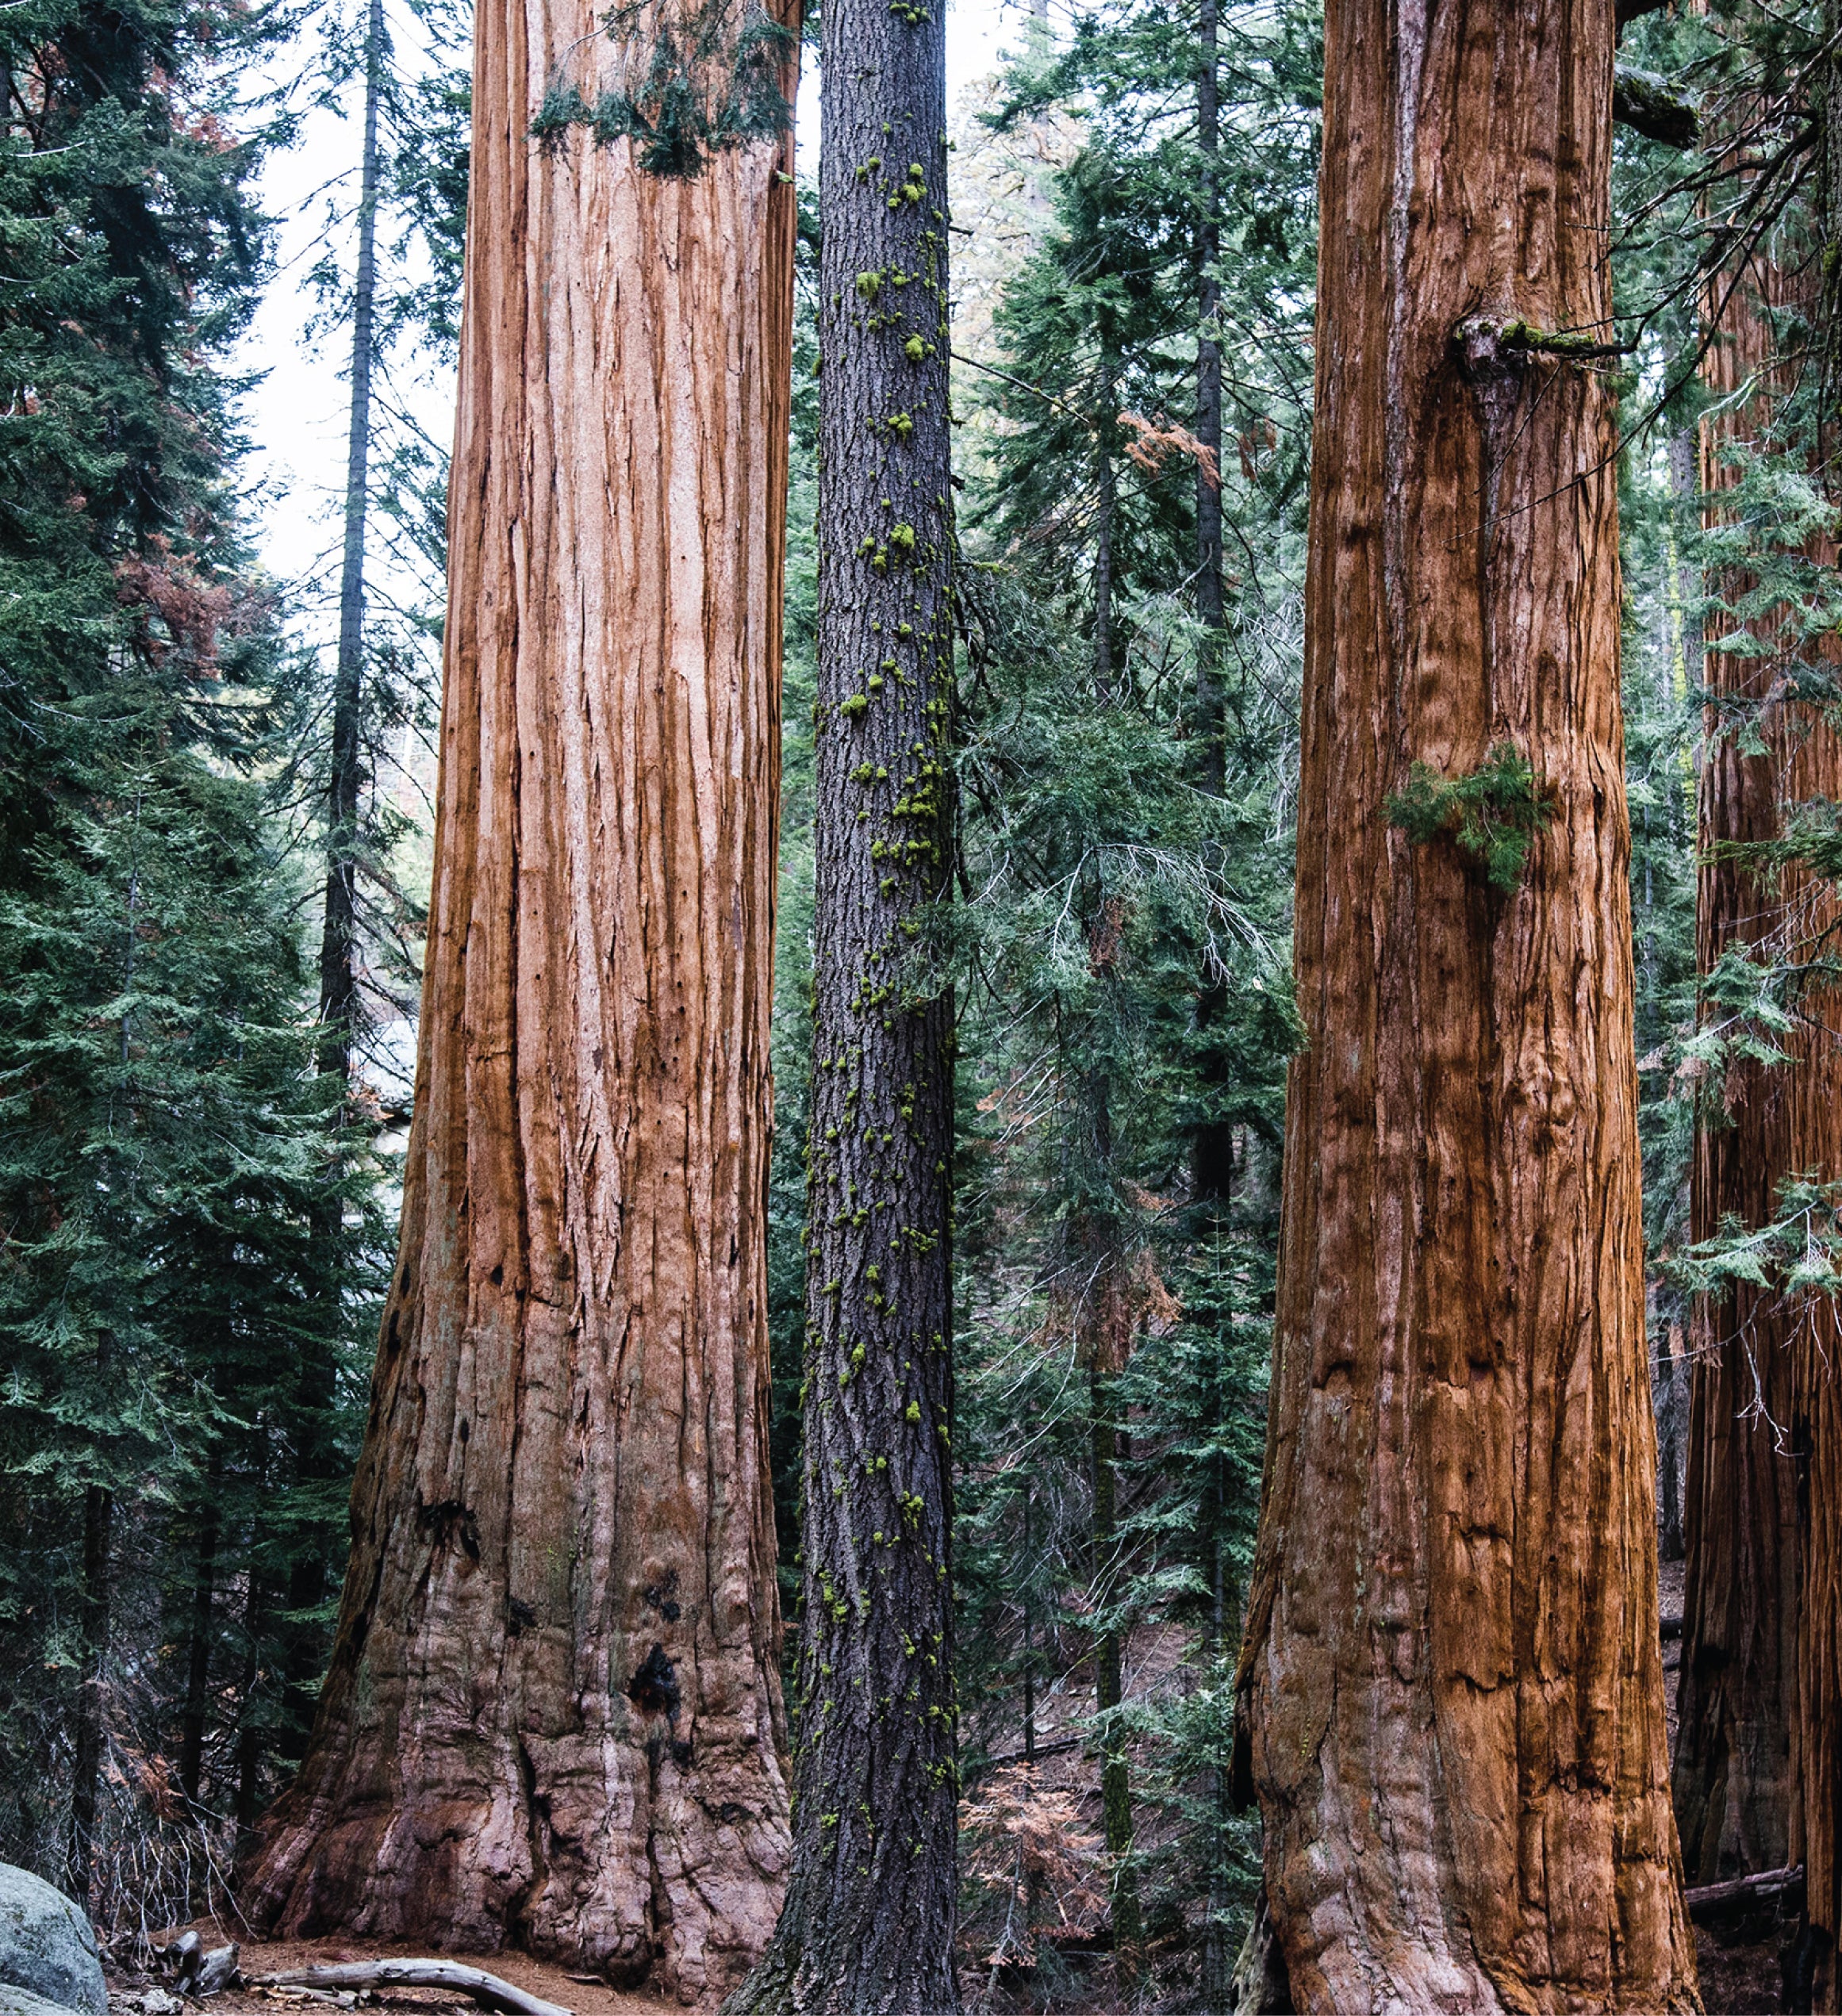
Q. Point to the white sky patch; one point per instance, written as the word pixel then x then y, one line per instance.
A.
pixel 297 415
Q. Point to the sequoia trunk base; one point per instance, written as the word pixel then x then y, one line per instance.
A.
pixel 1450 1692
pixel 553 1717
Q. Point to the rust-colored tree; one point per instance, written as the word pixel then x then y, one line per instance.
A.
pixel 1451 1694
pixel 1736 1773
pixel 1816 1835
pixel 553 1715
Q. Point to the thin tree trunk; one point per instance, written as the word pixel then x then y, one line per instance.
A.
pixel 317 1457
pixel 553 1716
pixel 87 1745
pixel 1670 1545
pixel 198 1651
pixel 1109 1689
pixel 868 1927
pixel 1217 1964
pixel 251 1741
pixel 1211 1159
pixel 1028 1634
pixel 1210 610
pixel 1451 1692
pixel 1107 498
pixel 338 943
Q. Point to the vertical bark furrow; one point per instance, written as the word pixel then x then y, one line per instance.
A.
pixel 1738 1775
pixel 1450 1692
pixel 554 1715
pixel 868 1929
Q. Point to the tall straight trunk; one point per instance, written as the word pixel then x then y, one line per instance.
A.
pixel 1451 1693
pixel 1106 505
pixel 1103 1326
pixel 1816 1839
pixel 1209 598
pixel 1217 1957
pixel 553 1716
pixel 89 1733
pixel 1211 1157
pixel 338 942
pixel 251 1743
pixel 1109 1653
pixel 868 1927
pixel 1029 1632
pixel 304 1644
pixel 1740 1767
pixel 199 1646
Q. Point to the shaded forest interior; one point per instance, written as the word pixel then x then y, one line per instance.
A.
pixel 1034 1049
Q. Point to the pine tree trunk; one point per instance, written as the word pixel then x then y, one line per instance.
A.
pixel 1211 1158
pixel 1209 598
pixel 90 1733
pixel 198 1649
pixel 1106 481
pixel 1109 1650
pixel 251 1744
pixel 304 1644
pixel 553 1716
pixel 1217 1958
pixel 868 1927
pixel 338 943
pixel 1451 1690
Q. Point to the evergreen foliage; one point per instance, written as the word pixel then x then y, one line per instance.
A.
pixel 166 1184
pixel 686 85
pixel 1494 814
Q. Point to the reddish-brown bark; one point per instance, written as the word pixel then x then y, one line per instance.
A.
pixel 553 1716
pixel 1758 1755
pixel 1736 1764
pixel 1452 1693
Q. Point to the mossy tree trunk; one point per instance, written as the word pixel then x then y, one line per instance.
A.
pixel 868 1926
pixel 1451 1692
pixel 553 1716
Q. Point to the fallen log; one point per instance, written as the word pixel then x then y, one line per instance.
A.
pixel 1713 1897
pixel 487 1989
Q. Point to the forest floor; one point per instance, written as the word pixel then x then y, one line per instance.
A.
pixel 538 1977
pixel 1739 1970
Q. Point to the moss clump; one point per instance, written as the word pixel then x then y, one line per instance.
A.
pixel 1494 814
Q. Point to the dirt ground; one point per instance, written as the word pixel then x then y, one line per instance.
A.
pixel 583 1997
pixel 1736 1981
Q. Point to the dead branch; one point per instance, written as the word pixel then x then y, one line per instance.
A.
pixel 1713 1897
pixel 487 1989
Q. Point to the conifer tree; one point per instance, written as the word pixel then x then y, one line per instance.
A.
pixel 868 1921
pixel 559 1631
pixel 161 1151
pixel 1450 1690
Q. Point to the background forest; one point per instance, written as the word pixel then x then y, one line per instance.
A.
pixel 215 772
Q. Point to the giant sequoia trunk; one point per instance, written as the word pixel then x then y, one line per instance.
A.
pixel 1736 1758
pixel 1451 1692
pixel 553 1715
pixel 868 1928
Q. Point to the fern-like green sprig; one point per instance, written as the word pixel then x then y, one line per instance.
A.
pixel 1494 814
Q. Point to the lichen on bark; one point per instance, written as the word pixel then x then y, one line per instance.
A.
pixel 868 1926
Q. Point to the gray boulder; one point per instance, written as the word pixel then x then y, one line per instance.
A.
pixel 22 2002
pixel 46 1949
